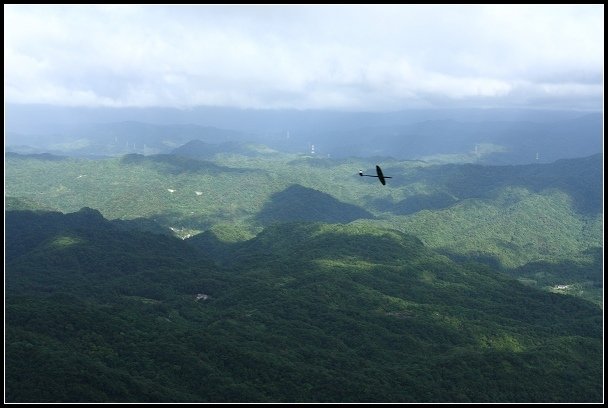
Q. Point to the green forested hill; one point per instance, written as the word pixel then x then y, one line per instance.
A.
pixel 580 178
pixel 197 149
pixel 297 203
pixel 533 221
pixel 303 312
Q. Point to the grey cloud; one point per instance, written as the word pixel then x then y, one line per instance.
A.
pixel 339 57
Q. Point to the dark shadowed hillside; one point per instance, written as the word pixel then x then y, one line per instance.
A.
pixel 298 203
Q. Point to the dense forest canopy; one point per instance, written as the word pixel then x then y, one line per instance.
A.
pixel 508 216
pixel 303 312
pixel 233 271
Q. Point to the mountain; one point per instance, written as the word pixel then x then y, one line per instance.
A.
pixel 580 178
pixel 108 139
pixel 298 203
pixel 489 136
pixel 197 149
pixel 175 164
pixel 41 118
pixel 304 312
pixel 506 216
pixel 488 142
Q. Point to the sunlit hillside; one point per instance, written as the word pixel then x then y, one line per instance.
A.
pixel 507 216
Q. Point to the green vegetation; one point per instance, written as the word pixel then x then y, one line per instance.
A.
pixel 504 216
pixel 302 312
pixel 297 203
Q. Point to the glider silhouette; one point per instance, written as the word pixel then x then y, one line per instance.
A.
pixel 379 174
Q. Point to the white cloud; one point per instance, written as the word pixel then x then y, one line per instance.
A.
pixel 342 57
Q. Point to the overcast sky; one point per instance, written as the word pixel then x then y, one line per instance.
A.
pixel 306 57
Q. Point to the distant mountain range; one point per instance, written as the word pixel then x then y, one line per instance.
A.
pixel 197 149
pixel 488 142
pixel 483 136
pixel 119 138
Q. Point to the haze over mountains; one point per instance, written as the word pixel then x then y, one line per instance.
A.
pixel 492 136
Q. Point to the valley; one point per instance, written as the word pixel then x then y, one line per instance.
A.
pixel 237 272
pixel 507 216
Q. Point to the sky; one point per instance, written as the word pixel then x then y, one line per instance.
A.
pixel 338 57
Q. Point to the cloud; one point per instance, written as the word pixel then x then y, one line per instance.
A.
pixel 315 56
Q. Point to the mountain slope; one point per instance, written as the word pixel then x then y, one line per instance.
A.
pixel 118 138
pixel 305 313
pixel 580 178
pixel 298 203
pixel 197 149
pixel 513 136
pixel 507 216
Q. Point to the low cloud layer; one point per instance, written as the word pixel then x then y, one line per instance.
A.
pixel 306 57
